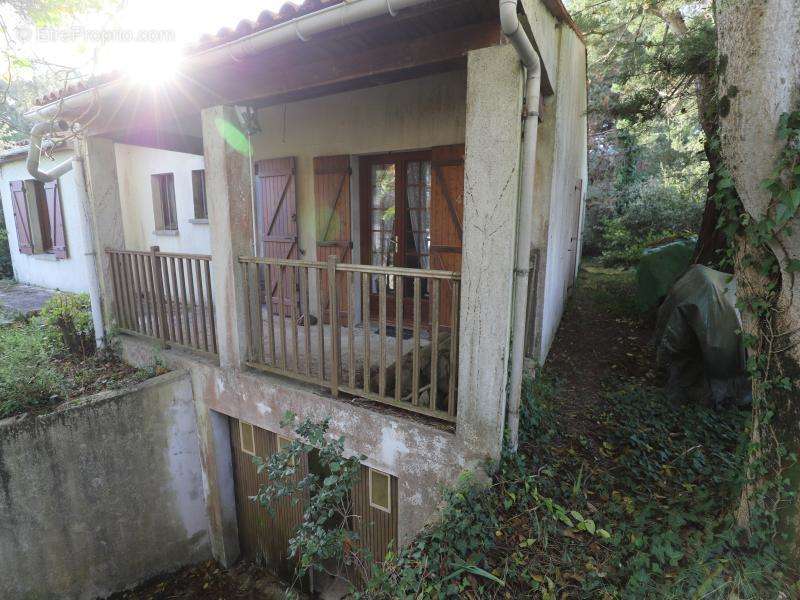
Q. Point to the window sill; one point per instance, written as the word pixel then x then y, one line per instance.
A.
pixel 199 221
pixel 171 232
pixel 45 256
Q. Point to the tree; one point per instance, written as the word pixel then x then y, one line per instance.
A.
pixel 759 91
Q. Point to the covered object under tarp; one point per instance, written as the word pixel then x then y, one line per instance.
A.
pixel 698 337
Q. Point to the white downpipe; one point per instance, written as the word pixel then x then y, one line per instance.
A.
pixel 91 264
pixel 510 24
pixel 35 154
pixel 75 164
pixel 304 28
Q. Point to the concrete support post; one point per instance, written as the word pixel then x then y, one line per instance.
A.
pixel 213 429
pixel 100 172
pixel 230 213
pixel 491 168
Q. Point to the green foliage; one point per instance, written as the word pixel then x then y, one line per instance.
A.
pixel 324 534
pixel 776 382
pixel 28 377
pixel 635 502
pixel 6 269
pixel 68 321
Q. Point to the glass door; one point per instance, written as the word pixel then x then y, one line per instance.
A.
pixel 396 223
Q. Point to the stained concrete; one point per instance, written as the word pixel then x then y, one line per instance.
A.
pixel 102 495
pixel 20 299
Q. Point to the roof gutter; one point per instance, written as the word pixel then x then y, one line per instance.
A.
pixel 509 22
pixel 302 28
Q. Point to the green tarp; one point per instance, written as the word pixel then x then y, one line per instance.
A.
pixel 698 339
pixel 659 268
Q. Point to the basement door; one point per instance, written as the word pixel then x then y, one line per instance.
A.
pixel 262 538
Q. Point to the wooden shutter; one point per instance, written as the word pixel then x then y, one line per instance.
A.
pixel 447 215
pixel 332 195
pixel 52 193
pixel 275 194
pixel 22 223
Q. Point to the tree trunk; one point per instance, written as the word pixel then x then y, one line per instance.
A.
pixel 759 80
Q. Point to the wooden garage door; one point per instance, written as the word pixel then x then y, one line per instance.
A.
pixel 261 537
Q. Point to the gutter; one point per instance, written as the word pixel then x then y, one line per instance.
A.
pixel 302 28
pixel 509 22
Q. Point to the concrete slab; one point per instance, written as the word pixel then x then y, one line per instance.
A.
pixel 20 299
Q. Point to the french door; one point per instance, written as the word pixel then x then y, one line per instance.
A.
pixel 396 223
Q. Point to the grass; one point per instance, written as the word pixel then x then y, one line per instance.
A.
pixel 38 371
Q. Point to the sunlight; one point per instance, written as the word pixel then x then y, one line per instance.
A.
pixel 153 65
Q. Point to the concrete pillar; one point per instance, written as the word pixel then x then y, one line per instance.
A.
pixel 213 429
pixel 230 214
pixel 491 169
pixel 100 171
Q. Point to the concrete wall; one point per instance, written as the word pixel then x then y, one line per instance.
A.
pixel 566 201
pixel 102 495
pixel 422 457
pixel 45 270
pixel 135 165
pixel 409 115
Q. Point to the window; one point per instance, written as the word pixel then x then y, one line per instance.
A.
pixel 247 438
pixel 283 444
pixel 199 193
pixel 166 215
pixel 380 490
pixel 38 218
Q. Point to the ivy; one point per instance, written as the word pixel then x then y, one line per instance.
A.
pixel 751 240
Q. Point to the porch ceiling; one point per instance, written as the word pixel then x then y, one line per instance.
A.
pixel 427 39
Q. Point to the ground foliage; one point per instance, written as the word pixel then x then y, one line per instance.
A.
pixel 49 359
pixel 625 496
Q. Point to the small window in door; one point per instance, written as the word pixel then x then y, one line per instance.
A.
pixel 283 444
pixel 199 194
pixel 166 215
pixel 247 438
pixel 380 490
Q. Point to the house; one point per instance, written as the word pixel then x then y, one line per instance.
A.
pixel 45 224
pixel 392 187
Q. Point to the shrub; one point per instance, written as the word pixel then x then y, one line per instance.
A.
pixel 68 322
pixel 27 375
pixel 6 270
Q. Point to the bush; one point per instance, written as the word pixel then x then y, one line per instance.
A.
pixel 68 322
pixel 27 374
pixel 647 212
pixel 6 270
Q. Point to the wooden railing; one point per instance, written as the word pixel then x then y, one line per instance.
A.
pixel 165 296
pixel 341 326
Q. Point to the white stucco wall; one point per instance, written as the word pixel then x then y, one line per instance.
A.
pixel 44 270
pixel 570 166
pixel 409 115
pixel 135 165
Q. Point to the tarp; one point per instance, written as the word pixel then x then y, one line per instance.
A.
pixel 659 268
pixel 698 339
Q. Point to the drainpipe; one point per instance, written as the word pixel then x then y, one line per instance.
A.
pixel 91 263
pixel 35 152
pixel 512 29
pixel 73 163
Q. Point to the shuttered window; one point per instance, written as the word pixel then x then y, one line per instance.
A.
pixel 199 194
pixel 166 215
pixel 39 217
pixel 22 223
